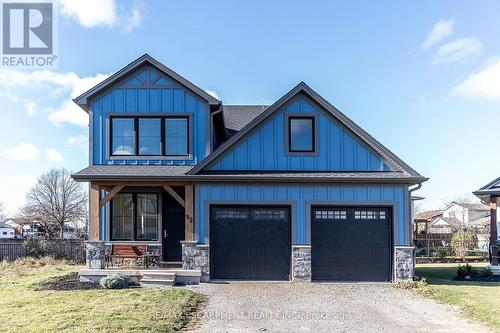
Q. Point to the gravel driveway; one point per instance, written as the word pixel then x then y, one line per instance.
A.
pixel 324 307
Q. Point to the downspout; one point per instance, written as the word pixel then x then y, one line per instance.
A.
pixel 412 218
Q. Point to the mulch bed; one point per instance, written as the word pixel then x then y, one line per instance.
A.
pixel 69 281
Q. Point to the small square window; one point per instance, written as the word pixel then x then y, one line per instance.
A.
pixel 301 136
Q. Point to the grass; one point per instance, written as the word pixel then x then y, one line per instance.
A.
pixel 479 300
pixel 25 308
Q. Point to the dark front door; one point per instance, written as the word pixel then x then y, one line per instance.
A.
pixel 250 242
pixel 351 243
pixel 173 227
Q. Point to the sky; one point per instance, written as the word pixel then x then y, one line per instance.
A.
pixel 422 77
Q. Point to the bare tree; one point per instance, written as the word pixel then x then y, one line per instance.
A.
pixel 56 199
pixel 2 211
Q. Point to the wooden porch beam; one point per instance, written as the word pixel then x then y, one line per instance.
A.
pixel 174 195
pixel 110 195
pixel 139 183
pixel 493 231
pixel 189 213
pixel 95 213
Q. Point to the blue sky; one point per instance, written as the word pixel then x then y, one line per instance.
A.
pixel 421 77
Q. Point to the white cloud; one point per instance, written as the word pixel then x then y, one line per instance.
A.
pixel 213 94
pixel 457 50
pixel 483 84
pixel 440 30
pixel 69 113
pixel 13 190
pixel 79 141
pixel 48 85
pixel 94 13
pixel 23 152
pixel 30 107
pixel 53 155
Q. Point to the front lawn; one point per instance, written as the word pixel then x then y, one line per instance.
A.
pixel 27 305
pixel 479 300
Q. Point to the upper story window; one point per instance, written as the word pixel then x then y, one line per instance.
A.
pixel 176 132
pixel 301 134
pixel 122 136
pixel 162 137
pixel 149 136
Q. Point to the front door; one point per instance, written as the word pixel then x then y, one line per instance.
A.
pixel 172 227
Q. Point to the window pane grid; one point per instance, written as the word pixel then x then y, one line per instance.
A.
pixel 123 136
pixel 141 226
pixel 330 214
pixel 176 136
pixel 301 134
pixel 122 213
pixel 144 136
pixel 369 215
pixel 149 136
pixel 231 213
pixel 270 214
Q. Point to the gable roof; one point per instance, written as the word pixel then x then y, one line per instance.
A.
pixel 428 215
pixel 470 206
pixel 492 188
pixel 387 155
pixel 84 98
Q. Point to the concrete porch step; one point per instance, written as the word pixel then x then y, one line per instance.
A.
pixel 148 282
pixel 159 275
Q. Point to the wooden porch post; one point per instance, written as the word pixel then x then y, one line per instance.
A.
pixel 189 212
pixel 493 231
pixel 95 213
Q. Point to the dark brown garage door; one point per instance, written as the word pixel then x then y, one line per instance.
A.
pixel 351 243
pixel 250 242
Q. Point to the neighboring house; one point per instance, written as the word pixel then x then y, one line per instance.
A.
pixel 16 226
pixel 6 231
pixel 466 212
pixel 455 216
pixel 243 192
pixel 489 194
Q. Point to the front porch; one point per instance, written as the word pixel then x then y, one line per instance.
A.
pixel 137 228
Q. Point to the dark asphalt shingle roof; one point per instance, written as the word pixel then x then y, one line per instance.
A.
pixel 238 116
pixel 174 172
pixel 133 171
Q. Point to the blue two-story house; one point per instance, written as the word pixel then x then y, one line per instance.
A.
pixel 289 191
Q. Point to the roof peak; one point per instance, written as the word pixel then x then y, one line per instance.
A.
pixel 83 99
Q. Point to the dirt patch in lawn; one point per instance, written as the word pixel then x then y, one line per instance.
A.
pixel 70 281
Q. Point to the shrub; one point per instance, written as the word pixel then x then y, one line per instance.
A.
pixel 465 270
pixel 486 272
pixel 115 281
pixel 442 252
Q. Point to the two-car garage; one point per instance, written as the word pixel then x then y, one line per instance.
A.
pixel 255 243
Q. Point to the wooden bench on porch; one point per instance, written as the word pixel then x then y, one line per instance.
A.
pixel 127 251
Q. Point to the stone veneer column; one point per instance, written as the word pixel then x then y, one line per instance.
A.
pixel 95 254
pixel 301 263
pixel 196 256
pixel 404 263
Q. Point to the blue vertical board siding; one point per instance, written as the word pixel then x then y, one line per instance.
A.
pixel 126 98
pixel 339 150
pixel 301 197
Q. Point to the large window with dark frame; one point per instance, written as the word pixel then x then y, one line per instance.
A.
pixel 301 134
pixel 149 136
pixel 134 217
